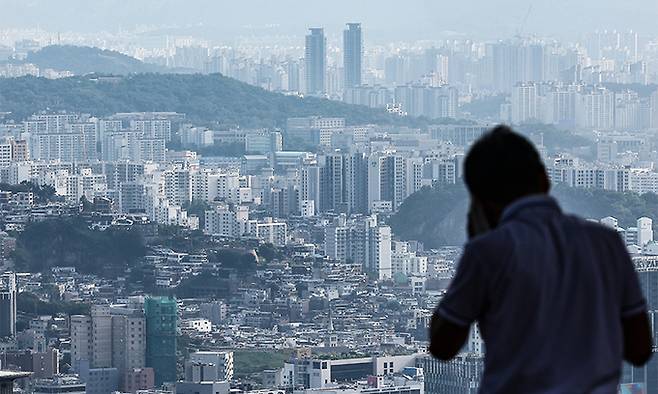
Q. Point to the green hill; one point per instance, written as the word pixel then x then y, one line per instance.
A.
pixel 437 216
pixel 70 242
pixel 86 60
pixel 204 98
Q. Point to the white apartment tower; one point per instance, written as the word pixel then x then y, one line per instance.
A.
pixel 644 231
pixel 524 103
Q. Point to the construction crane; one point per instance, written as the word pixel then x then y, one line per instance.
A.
pixel 519 31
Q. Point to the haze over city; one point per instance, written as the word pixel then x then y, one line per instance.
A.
pixel 268 196
pixel 390 20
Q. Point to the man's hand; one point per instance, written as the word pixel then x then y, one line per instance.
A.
pixel 446 338
pixel 477 222
pixel 637 339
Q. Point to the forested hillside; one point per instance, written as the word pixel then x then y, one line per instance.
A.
pixel 203 98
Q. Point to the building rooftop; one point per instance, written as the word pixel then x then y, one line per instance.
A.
pixel 13 375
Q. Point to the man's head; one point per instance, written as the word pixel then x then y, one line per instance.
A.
pixel 501 167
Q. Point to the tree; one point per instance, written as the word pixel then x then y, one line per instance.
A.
pixel 267 251
pixel 30 304
pixel 241 261
pixel 85 205
pixel 42 194
pixel 198 208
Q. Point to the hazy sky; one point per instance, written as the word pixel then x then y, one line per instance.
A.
pixel 386 18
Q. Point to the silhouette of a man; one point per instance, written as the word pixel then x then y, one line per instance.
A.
pixel 557 298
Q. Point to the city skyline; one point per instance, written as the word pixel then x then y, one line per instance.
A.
pixel 269 196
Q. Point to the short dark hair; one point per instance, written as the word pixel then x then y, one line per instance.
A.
pixel 503 166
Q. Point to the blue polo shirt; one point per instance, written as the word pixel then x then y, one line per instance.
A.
pixel 549 291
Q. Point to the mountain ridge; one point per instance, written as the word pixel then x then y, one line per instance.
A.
pixel 204 98
pixel 81 60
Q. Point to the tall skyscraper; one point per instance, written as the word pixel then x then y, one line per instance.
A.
pixel 161 317
pixel 352 54
pixel 7 304
pixel 315 61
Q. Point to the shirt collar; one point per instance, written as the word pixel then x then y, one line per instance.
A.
pixel 534 201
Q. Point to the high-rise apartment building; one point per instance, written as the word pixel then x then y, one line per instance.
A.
pixel 459 135
pixel 429 101
pixel 66 147
pixel 575 174
pixel 132 145
pixel 343 183
pixel 269 231
pixel 595 109
pixel 379 253
pixel 82 339
pixel 524 103
pixel 361 240
pixel 6 151
pixel 560 106
pixel 352 54
pixel 226 221
pixel 644 231
pixel 406 262
pixel 8 304
pixel 178 186
pixel 386 180
pixel 113 337
pixel 153 128
pixel 161 321
pixel 514 62
pixel 89 132
pixel 128 339
pixel 315 61
pixel 309 187
pixel 370 96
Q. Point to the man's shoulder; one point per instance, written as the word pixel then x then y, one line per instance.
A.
pixel 502 239
pixel 591 227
